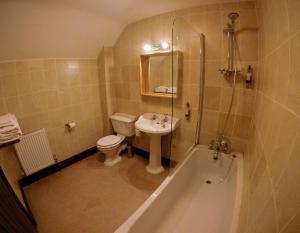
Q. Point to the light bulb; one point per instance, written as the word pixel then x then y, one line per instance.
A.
pixel 147 47
pixel 165 45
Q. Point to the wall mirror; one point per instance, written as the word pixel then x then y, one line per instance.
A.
pixel 156 74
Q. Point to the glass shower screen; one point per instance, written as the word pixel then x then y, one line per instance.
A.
pixel 189 102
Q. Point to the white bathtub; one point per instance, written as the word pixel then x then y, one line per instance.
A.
pixel 185 202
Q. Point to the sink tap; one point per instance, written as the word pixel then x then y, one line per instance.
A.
pixel 165 119
pixel 154 116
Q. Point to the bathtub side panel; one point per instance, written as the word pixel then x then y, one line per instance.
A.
pixel 165 200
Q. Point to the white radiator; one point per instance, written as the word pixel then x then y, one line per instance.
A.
pixel 34 152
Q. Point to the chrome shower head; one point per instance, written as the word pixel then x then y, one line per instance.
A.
pixel 230 25
pixel 233 16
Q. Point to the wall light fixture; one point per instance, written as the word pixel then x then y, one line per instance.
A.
pixel 157 47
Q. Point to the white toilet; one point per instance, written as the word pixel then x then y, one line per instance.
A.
pixel 111 146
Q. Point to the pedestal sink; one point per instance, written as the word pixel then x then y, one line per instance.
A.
pixel 156 125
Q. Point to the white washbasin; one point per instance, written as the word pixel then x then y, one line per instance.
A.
pixel 155 123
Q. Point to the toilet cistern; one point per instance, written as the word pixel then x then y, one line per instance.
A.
pixel 156 125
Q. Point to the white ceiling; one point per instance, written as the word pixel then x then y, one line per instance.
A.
pixel 72 28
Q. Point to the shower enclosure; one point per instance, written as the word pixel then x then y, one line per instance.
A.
pixel 221 143
pixel 189 107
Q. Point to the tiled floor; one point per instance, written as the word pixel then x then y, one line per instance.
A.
pixel 89 197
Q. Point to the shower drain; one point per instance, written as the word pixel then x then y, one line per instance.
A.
pixel 208 182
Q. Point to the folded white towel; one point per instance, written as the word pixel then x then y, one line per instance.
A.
pixel 9 131
pixel 6 125
pixel 161 89
pixel 9 137
pixel 9 128
pixel 172 90
pixel 7 118
pixel 164 89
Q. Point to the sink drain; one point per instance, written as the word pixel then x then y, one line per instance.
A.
pixel 208 182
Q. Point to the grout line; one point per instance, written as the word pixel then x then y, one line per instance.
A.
pixel 290 37
pixel 275 212
pixel 289 157
pixel 38 59
pixel 281 105
pixel 287 14
pixel 289 221
pixel 273 196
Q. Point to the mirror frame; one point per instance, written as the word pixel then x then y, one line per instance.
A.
pixel 145 76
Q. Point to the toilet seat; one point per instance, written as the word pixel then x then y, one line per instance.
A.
pixel 110 141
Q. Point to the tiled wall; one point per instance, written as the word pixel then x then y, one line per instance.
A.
pixel 210 20
pixel 48 93
pixel 271 202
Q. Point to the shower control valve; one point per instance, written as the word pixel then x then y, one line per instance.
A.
pixel 227 72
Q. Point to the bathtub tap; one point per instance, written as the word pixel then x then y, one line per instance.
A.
pixel 216 154
pixel 220 145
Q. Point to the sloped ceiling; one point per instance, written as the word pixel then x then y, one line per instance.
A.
pixel 72 28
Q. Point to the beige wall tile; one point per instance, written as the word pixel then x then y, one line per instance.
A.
pixel 12 106
pixel 228 128
pixel 266 222
pixel 240 124
pixel 37 79
pixel 7 68
pixel 23 83
pixel 248 45
pixel 259 189
pixel 245 102
pixel 212 75
pixel 293 7
pixel 27 105
pixel 294 86
pixel 210 122
pixel 9 86
pixel 226 96
pixel 248 19
pixel 230 6
pixel 212 97
pixel 51 81
pixel 3 109
pixel 287 125
pixel 288 189
pixel 22 67
pixel 294 225
pixel 36 65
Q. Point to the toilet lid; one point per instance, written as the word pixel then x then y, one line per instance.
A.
pixel 109 140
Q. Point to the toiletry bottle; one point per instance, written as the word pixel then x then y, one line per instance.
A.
pixel 249 77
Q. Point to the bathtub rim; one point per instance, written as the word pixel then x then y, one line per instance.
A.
pixel 126 226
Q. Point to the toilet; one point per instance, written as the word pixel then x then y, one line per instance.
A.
pixel 113 145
